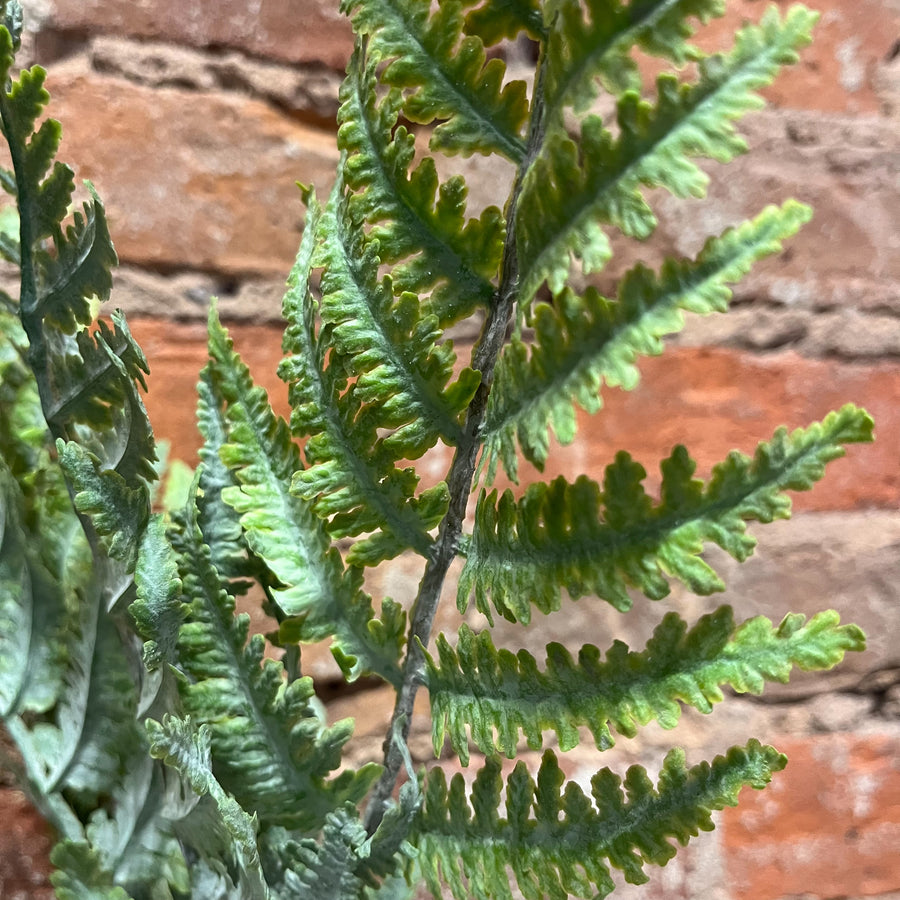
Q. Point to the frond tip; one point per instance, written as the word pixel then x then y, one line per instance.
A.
pixel 556 841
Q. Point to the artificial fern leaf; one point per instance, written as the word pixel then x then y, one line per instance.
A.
pixel 91 395
pixel 557 842
pixel 446 75
pixel 582 343
pixel 602 541
pixel 572 190
pixel 318 594
pixel 436 245
pixel 180 746
pixel 136 841
pixel 391 347
pixel 80 874
pixel 497 20
pixel 79 269
pixel 118 511
pixel 497 693
pixel 352 479
pixel 583 50
pixel 158 610
pixel 328 868
pixel 219 524
pixel 32 613
pixel 269 749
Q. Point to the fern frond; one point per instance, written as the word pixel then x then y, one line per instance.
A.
pixel 572 190
pixel 320 596
pixel 582 51
pixel 158 610
pixel 390 346
pixel 33 611
pixel 352 478
pixel 80 874
pixel 594 541
pixel 487 689
pixel 219 524
pixel 269 749
pixel 187 751
pixel 582 343
pixel 556 841
pixel 435 246
pixel 78 269
pixel 446 75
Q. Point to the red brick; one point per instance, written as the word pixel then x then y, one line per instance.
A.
pixel 828 827
pixel 25 844
pixel 312 31
pixel 191 179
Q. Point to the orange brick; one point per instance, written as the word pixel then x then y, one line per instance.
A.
pixel 829 826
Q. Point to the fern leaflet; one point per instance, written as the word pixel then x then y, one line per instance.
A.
pixel 487 689
pixel 557 843
pixel 582 343
pixel 601 541
pixel 572 190
pixel 446 75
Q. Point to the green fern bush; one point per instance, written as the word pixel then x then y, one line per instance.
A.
pixel 170 756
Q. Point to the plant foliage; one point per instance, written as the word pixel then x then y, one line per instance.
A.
pixel 178 754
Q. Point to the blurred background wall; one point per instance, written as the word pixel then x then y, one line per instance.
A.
pixel 195 118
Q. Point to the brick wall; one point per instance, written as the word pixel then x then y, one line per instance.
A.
pixel 195 118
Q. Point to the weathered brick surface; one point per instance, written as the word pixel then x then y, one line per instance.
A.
pixel 309 32
pixel 831 829
pixel 195 119
pixel 191 179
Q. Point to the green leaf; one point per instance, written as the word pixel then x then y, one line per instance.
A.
pixel 446 75
pixel 497 20
pixel 269 749
pixel 558 843
pixel 352 479
pixel 317 594
pixel 187 751
pixel 592 42
pixel 603 541
pixel 583 343
pixel 573 189
pixel 499 694
pixel 158 611
pixel 435 246
pixel 80 874
pixel 119 512
pixel 391 347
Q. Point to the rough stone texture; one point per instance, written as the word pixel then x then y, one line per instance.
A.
pixel 25 844
pixel 280 29
pixel 307 91
pixel 829 830
pixel 191 179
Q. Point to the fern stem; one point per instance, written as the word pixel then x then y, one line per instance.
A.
pixel 459 480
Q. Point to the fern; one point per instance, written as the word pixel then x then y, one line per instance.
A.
pixel 172 754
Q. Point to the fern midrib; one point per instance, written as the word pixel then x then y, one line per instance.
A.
pixel 513 146
pixel 274 738
pixel 574 74
pixel 627 177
